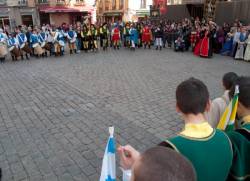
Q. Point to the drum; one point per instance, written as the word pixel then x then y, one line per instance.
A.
pixel 26 48
pixel 61 43
pixel 35 45
pixel 3 50
pixel 38 50
pixel 11 48
pixel 47 47
pixel 22 45
pixel 15 51
pixel 43 44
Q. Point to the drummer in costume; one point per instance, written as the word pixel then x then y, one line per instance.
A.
pixel 71 35
pixel 34 40
pixel 3 47
pixel 24 47
pixel 13 46
pixel 146 37
pixel 104 34
pixel 42 37
pixel 85 38
pixel 93 37
pixel 116 37
pixel 59 42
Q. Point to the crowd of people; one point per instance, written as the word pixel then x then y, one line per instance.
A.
pixel 200 151
pixel 202 37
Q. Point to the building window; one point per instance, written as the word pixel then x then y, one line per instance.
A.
pixel 42 1
pixel 143 4
pixel 106 5
pixel 60 1
pixel 121 4
pixel 113 4
pixel 79 1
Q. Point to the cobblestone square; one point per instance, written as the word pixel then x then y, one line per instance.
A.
pixel 55 112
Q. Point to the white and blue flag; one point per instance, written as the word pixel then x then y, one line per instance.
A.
pixel 108 163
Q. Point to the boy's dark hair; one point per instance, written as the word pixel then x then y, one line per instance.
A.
pixel 161 164
pixel 244 89
pixel 192 96
pixel 229 79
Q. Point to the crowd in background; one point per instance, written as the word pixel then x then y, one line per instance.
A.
pixel 202 37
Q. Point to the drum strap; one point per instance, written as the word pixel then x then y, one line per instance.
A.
pixel 41 37
pixel 19 36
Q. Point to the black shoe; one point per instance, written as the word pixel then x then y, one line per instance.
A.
pixel 156 48
pixel 70 52
pixel 160 48
pixel 75 51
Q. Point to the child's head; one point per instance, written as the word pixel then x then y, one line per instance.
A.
pixel 160 164
pixel 229 79
pixel 244 96
pixel 192 97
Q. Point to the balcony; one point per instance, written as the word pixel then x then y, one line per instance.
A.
pixel 22 2
pixel 43 1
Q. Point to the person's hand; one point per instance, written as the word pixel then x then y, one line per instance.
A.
pixel 128 155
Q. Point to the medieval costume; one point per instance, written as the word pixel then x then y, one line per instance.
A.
pixel 71 35
pixel 22 41
pixel 158 37
pixel 146 36
pixel 205 147
pixel 133 37
pixel 241 143
pixel 3 47
pixel 13 46
pixel 139 32
pixel 92 34
pixel 241 46
pixel 104 34
pixel 78 39
pixel 126 35
pixel 228 45
pixel 116 37
pixel 247 52
pixel 204 47
pixel 85 38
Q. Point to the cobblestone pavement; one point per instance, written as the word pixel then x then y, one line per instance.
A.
pixel 55 111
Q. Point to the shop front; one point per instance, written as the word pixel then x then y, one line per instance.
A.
pixel 57 15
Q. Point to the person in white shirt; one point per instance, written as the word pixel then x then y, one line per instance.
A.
pixel 3 47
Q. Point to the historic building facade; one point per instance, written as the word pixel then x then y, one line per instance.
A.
pixel 16 12
pixel 122 10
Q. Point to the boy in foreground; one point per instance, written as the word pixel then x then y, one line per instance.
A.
pixel 208 149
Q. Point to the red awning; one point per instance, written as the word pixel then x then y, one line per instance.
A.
pixel 65 9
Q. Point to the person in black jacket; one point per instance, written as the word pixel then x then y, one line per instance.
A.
pixel 158 37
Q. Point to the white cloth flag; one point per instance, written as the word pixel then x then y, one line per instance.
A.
pixel 108 163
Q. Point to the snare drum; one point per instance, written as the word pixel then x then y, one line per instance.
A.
pixel 61 43
pixel 38 49
pixel 15 51
pixel 11 48
pixel 3 50
pixel 26 48
pixel 43 44
pixel 35 45
pixel 22 45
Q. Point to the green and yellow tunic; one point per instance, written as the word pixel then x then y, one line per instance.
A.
pixel 241 145
pixel 209 150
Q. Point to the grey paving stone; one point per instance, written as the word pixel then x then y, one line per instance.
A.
pixel 55 113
